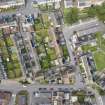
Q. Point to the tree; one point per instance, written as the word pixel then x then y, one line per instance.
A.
pixel 101 13
pixel 92 11
pixel 72 15
pixel 98 11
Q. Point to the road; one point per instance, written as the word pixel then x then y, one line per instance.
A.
pixel 31 87
pixel 68 32
pixel 87 70
pixel 99 99
pixel 79 79
pixel 32 52
pixel 15 88
pixel 23 10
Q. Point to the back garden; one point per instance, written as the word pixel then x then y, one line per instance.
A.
pixel 50 52
pixel 9 54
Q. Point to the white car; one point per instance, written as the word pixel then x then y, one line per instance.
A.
pixel 24 86
pixel 36 94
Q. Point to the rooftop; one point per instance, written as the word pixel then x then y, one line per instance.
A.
pixel 2 1
pixel 46 1
pixel 10 2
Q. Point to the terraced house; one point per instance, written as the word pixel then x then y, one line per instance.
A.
pixel 11 3
pixel 46 1
pixel 81 3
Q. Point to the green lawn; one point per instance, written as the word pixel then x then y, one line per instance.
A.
pixel 71 15
pixel 100 41
pixel 101 91
pixel 81 68
pixel 41 49
pixel 46 7
pixel 37 24
pixel 65 13
pixel 42 22
pixel 14 56
pixel 98 51
pixel 12 9
pixel 89 47
pixel 99 58
pixel 10 74
pixel 41 34
pixel 2 43
pixel 65 51
pixel 1 32
pixel 86 13
pixel 9 41
pixel 45 63
pixel 51 52
pixel 46 20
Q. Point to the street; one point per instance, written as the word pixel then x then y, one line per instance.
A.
pixel 68 32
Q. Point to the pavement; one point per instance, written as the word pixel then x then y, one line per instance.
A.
pixel 68 32
pixel 78 83
pixel 15 88
pixel 28 9
pixel 99 99
pixel 31 87
pixel 83 28
pixel 79 78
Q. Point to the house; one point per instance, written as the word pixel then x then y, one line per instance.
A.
pixel 4 4
pixel 81 3
pixel 61 98
pixel 39 2
pixel 77 3
pixel 84 3
pixel 87 75
pixel 68 3
pixel 8 22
